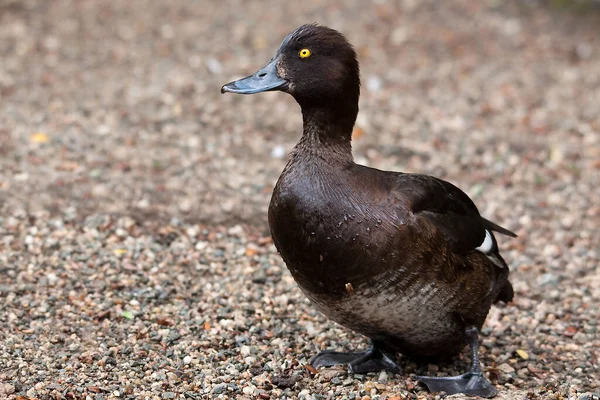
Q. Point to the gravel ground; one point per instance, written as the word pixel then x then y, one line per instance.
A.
pixel 135 260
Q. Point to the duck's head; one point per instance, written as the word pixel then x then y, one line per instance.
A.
pixel 315 64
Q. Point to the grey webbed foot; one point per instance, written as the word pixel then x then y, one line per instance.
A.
pixel 468 383
pixel 329 358
pixel 372 360
pixel 473 382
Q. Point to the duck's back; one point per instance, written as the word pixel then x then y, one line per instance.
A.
pixel 374 251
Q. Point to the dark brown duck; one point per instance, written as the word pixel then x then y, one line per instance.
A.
pixel 404 259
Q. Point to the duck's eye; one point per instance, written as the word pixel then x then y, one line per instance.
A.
pixel 304 53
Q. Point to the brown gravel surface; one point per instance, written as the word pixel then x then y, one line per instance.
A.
pixel 134 252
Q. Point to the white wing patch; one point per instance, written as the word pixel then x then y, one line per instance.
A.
pixel 488 243
pixel 487 248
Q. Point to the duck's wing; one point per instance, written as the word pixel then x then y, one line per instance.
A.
pixel 453 213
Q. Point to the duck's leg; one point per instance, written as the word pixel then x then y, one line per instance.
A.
pixel 473 382
pixel 371 360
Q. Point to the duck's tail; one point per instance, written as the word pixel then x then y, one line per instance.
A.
pixel 506 293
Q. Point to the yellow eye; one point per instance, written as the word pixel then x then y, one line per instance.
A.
pixel 304 53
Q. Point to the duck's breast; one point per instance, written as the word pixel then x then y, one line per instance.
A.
pixel 328 232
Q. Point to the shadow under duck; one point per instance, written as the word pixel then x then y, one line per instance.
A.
pixel 404 259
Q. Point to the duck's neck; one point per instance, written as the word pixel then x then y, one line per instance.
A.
pixel 327 133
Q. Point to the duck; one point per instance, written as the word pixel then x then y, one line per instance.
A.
pixel 404 259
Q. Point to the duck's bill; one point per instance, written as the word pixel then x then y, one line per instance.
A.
pixel 264 80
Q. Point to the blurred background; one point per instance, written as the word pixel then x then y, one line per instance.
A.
pixel 134 250
pixel 114 107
